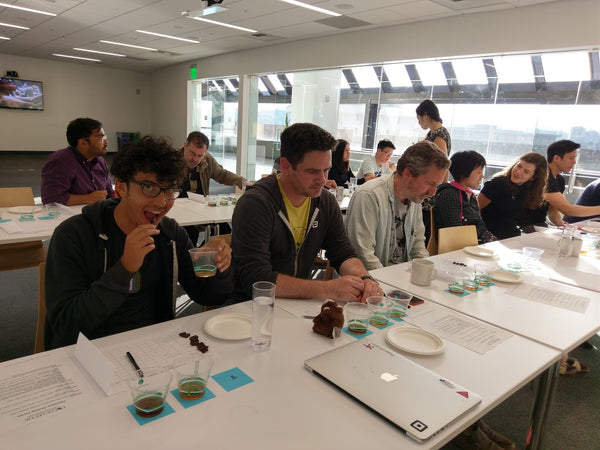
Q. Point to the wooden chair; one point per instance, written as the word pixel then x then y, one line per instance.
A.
pixel 41 318
pixel 455 238
pixel 25 254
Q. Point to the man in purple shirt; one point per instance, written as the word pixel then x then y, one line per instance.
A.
pixel 78 174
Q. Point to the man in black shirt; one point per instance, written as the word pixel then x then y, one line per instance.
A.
pixel 562 156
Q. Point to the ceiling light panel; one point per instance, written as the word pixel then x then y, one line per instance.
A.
pixel 167 36
pixel 469 71
pixel 276 83
pixel 514 69
pixel 312 7
pixel 124 44
pixel 76 57
pixel 343 81
pixel 431 73
pixel 21 8
pixel 261 87
pixel 98 52
pixel 397 75
pixel 223 24
pixel 366 77
pixel 12 25
pixel 568 66
pixel 230 85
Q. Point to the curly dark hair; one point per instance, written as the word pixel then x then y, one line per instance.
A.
pixel 150 155
pixel 463 163
pixel 301 138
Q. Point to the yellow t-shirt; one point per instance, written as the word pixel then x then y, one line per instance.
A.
pixel 297 216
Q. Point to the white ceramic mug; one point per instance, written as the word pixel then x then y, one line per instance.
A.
pixel 423 272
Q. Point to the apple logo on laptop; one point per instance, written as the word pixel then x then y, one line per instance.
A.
pixel 388 377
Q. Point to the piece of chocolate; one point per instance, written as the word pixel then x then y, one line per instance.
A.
pixel 330 318
pixel 202 347
pixel 183 334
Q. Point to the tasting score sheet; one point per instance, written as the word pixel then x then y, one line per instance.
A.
pixel 37 387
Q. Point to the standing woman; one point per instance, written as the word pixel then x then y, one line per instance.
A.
pixel 507 198
pixel 340 171
pixel 429 118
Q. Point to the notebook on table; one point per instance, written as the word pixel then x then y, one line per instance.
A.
pixel 419 401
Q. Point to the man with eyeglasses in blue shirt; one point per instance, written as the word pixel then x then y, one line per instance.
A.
pixel 115 266
pixel 78 174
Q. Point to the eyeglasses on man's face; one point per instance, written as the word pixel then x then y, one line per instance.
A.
pixel 153 190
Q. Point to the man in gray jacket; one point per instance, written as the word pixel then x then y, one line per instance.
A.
pixel 384 219
pixel 283 221
pixel 202 166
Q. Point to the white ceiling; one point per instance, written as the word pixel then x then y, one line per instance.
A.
pixel 83 23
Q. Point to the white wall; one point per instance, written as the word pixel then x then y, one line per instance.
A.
pixel 549 26
pixel 120 99
pixel 110 95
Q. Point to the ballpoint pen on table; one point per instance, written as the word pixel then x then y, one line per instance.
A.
pixel 135 365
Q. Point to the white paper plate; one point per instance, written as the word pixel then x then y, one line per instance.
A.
pixel 230 326
pixel 479 251
pixel 506 277
pixel 24 209
pixel 415 341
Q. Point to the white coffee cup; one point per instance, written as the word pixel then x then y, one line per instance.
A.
pixel 423 272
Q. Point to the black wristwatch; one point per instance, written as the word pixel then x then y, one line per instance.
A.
pixel 368 277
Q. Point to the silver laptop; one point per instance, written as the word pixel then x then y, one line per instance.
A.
pixel 417 400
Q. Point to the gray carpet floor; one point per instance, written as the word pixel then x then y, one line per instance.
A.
pixel 574 417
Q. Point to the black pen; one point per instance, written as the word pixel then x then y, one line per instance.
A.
pixel 135 365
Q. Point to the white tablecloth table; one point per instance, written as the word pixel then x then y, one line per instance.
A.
pixel 554 326
pixel 285 407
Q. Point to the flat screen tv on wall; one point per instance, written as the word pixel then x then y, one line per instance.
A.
pixel 21 94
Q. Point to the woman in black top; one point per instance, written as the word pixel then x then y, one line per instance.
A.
pixel 340 171
pixel 508 197
pixel 429 118
pixel 455 202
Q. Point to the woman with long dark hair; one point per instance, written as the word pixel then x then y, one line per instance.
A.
pixel 340 171
pixel 508 198
pixel 429 118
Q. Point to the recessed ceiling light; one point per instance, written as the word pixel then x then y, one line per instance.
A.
pixel 130 45
pixel 13 26
pixel 224 24
pixel 37 11
pixel 97 51
pixel 76 57
pixel 2 37
pixel 314 8
pixel 168 36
